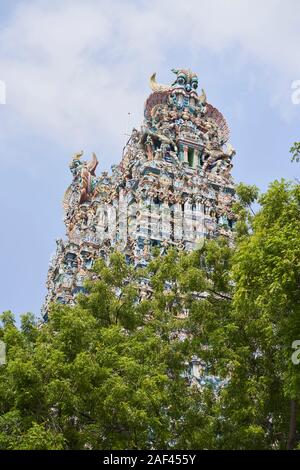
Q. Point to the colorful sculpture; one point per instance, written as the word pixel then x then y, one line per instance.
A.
pixel 173 187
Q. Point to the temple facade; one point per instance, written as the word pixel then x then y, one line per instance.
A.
pixel 173 187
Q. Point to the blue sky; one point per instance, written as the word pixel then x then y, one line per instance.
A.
pixel 74 69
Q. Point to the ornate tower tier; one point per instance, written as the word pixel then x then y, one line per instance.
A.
pixel 173 186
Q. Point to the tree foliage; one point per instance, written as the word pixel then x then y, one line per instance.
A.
pixel 113 371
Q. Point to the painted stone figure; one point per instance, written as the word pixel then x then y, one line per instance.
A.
pixel 172 187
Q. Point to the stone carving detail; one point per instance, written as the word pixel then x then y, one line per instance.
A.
pixel 173 187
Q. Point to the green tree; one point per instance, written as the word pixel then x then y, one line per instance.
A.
pixel 112 372
pixel 109 373
pixel 259 405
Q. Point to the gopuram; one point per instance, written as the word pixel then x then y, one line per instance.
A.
pixel 173 187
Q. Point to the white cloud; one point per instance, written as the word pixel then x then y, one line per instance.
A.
pixel 73 69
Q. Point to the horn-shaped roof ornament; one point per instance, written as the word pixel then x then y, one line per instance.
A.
pixel 157 87
pixel 202 98
pixel 92 165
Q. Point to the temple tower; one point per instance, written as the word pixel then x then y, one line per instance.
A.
pixel 173 187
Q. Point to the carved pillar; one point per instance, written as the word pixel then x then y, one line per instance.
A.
pixel 195 158
pixel 199 223
pixel 187 222
pixel 102 222
pixel 199 153
pixel 177 222
pixel 122 222
pixel 132 220
pixel 166 222
pixel 155 219
pixel 112 223
pixel 143 219
pixel 185 154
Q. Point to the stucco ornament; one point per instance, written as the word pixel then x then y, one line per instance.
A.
pixel 172 187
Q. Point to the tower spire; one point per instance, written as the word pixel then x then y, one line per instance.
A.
pixel 173 187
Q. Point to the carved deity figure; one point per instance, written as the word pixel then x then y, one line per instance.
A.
pixel 85 173
pixel 149 147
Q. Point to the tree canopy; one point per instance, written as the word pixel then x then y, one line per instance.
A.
pixel 114 371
